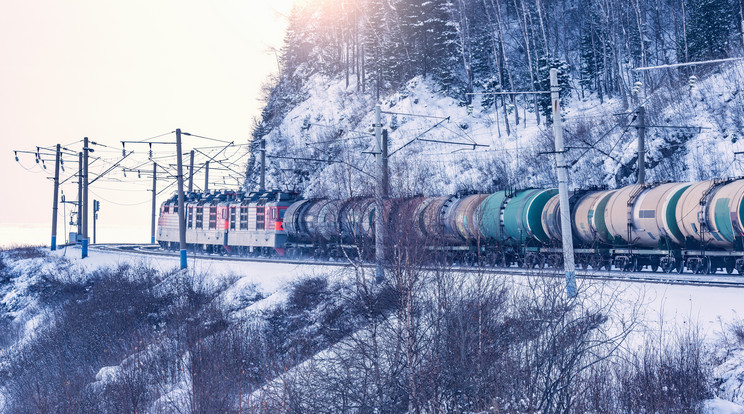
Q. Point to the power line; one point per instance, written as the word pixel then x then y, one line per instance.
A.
pixel 676 65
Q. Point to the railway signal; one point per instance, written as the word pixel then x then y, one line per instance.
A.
pixel 96 207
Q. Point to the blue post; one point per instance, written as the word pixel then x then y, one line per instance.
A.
pixel 85 248
pixel 54 243
pixel 183 258
pixel 570 284
pixel 152 240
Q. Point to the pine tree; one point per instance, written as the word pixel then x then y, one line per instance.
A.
pixel 592 47
pixel 445 49
pixel 709 27
pixel 411 14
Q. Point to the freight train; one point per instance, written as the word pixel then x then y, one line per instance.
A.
pixel 698 227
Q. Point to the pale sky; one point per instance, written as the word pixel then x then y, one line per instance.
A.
pixel 122 70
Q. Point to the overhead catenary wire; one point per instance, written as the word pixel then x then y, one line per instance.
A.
pixel 415 115
pixel 207 138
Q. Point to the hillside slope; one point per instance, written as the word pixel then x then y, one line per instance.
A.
pixel 693 135
pixel 440 59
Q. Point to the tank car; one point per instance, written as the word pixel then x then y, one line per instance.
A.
pixel 673 226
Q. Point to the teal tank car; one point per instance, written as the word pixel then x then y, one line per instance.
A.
pixel 488 216
pixel 523 215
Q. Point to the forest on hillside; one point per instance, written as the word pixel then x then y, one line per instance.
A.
pixel 468 49
pixel 506 45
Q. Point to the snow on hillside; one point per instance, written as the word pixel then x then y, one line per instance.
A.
pixel 334 122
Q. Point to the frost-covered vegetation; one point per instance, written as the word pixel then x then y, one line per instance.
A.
pixel 438 58
pixel 134 339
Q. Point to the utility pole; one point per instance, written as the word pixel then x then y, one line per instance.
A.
pixel 385 170
pixel 206 177
pixel 262 182
pixel 562 169
pixel 154 194
pixel 641 145
pixel 85 197
pixel 56 198
pixel 379 197
pixel 79 237
pixel 181 213
pixel 191 174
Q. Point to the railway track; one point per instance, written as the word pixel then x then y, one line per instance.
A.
pixel 687 278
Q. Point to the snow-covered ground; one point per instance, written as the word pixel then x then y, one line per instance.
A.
pixel 268 276
pixel 663 309
pixel 711 308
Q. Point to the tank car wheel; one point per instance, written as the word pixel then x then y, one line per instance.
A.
pixel 702 266
pixel 471 259
pixel 595 263
pixel 707 266
pixel 729 268
pixel 654 265
pixel 635 265
pixel 631 265
pixel 499 260
pixel 529 262
pixel 667 267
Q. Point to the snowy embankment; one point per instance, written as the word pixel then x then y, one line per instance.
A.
pixel 291 311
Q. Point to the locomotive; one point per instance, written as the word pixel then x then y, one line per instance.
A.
pixel 669 226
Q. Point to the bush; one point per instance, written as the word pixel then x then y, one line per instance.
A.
pixel 307 293
pixel 737 328
pixel 24 252
pixel 97 322
pixel 668 378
